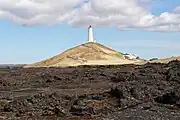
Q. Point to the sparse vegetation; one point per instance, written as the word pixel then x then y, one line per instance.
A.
pixel 3 102
pixel 118 54
pixel 153 59
pixel 5 69
pixel 70 48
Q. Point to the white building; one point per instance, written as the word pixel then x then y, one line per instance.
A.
pixel 90 34
pixel 131 56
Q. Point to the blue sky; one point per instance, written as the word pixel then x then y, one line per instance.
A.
pixel 159 6
pixel 20 44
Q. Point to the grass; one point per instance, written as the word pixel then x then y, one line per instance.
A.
pixel 70 48
pixel 4 69
pixel 118 54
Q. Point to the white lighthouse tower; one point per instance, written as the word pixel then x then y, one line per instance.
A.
pixel 90 34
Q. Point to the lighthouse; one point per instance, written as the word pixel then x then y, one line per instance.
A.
pixel 90 34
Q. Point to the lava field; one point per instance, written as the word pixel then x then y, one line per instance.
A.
pixel 116 92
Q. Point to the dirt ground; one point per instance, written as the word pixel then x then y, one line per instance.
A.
pixel 117 92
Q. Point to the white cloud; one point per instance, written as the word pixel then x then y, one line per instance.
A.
pixel 123 14
pixel 36 12
pixel 177 9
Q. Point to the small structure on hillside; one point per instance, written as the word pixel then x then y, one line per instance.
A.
pixel 130 56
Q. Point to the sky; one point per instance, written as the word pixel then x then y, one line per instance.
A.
pixel 34 30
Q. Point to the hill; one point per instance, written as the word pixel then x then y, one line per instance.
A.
pixel 166 60
pixel 86 54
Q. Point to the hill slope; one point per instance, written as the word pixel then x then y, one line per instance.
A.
pixel 85 54
pixel 166 60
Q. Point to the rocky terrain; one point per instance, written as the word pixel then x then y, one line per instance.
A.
pixel 117 92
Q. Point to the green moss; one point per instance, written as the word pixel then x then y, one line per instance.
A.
pixel 4 69
pixel 3 102
pixel 118 54
pixel 70 48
